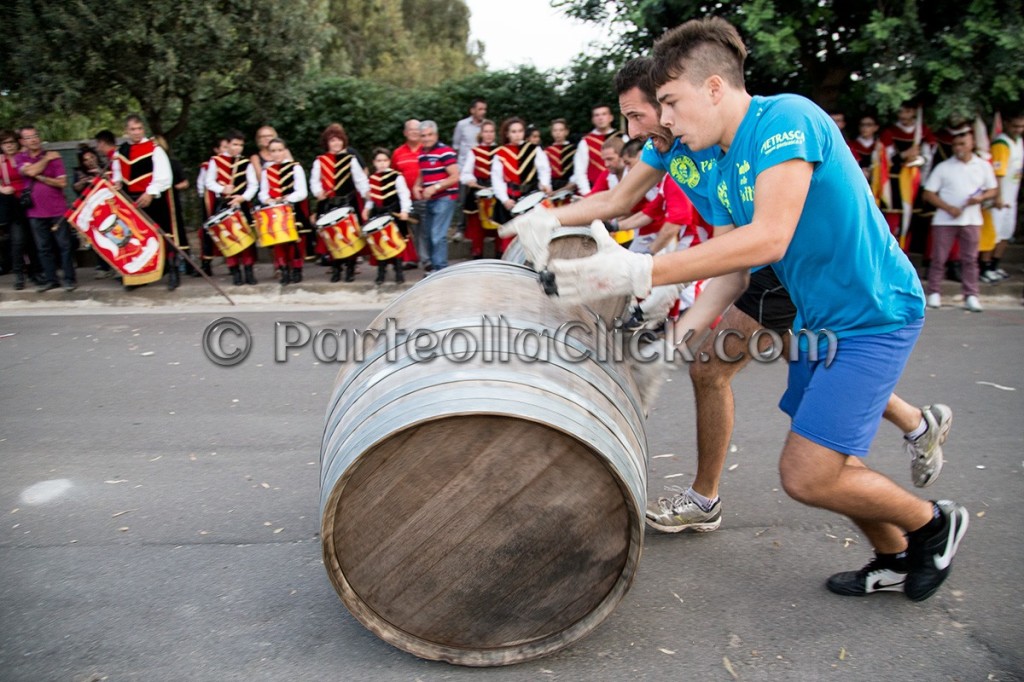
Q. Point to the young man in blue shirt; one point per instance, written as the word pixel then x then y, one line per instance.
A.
pixel 787 192
pixel 764 304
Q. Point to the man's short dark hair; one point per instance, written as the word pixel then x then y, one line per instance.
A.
pixel 106 136
pixel 699 49
pixel 233 134
pixel 133 118
pixel 477 100
pixel 633 147
pixel 601 105
pixel 636 73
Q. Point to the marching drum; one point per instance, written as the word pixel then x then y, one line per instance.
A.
pixel 561 197
pixel 384 239
pixel 485 202
pixel 275 224
pixel 339 230
pixel 116 230
pixel 230 231
pixel 530 202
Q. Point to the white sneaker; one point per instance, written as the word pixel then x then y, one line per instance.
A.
pixel 682 512
pixel 926 455
pixel 990 277
pixel 973 304
pixel 1003 274
pixel 934 300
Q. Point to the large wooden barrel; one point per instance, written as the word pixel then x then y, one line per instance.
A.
pixel 572 242
pixel 566 242
pixel 483 508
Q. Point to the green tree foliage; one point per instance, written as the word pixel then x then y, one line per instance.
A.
pixel 374 113
pixel 956 56
pixel 408 43
pixel 168 57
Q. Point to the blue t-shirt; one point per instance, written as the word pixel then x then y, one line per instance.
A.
pixel 843 268
pixel 691 171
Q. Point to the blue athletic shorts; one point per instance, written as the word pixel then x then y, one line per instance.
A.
pixel 840 406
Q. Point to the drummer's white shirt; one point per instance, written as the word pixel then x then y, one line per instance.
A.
pixel 467 173
pixel 297 195
pixel 498 174
pixel 252 185
pixel 580 163
pixel 404 196
pixel 362 183
pixel 161 181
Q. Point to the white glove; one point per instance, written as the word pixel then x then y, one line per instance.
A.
pixel 612 271
pixel 533 229
pixel 656 306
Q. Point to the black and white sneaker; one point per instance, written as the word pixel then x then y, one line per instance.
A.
pixel 876 576
pixel 929 559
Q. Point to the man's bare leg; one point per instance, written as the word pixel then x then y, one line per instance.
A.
pixel 715 408
pixel 894 520
pixel 713 399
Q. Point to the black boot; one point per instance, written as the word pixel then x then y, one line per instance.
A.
pixel 286 275
pixel 236 275
pixel 336 272
pixel 350 270
pixel 382 271
pixel 399 273
pixel 249 277
pixel 173 279
pixel 207 269
pixel 296 275
pixel 19 281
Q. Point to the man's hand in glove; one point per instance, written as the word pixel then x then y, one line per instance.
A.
pixel 534 230
pixel 612 271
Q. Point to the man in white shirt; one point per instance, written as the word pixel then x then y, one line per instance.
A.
pixel 464 138
pixel 957 187
pixel 142 170
pixel 467 129
pixel 588 164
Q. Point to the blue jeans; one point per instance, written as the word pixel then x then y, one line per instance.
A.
pixel 438 219
pixel 50 231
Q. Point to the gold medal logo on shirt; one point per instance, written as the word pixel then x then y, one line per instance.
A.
pixel 684 171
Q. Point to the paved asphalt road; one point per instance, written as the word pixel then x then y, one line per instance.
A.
pixel 159 522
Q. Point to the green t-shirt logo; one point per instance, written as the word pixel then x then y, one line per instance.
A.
pixel 684 171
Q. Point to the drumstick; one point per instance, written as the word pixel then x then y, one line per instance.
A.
pixel 167 238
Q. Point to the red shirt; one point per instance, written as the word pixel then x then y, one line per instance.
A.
pixel 9 176
pixel 671 206
pixel 407 162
